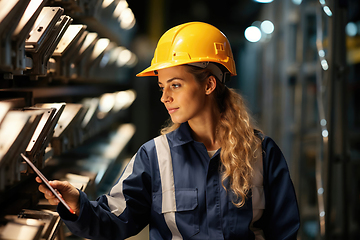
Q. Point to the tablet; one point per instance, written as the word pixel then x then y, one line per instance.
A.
pixel 43 178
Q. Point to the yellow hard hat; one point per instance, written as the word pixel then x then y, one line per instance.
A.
pixel 188 43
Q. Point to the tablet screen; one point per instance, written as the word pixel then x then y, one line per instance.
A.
pixel 43 178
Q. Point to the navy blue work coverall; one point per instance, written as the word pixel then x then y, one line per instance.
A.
pixel 176 188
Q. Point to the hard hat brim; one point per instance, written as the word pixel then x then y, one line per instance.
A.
pixel 150 71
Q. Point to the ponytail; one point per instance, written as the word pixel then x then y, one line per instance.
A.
pixel 239 145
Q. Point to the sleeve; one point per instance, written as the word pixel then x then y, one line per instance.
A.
pixel 123 212
pixel 281 218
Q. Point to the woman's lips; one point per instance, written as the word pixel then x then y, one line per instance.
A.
pixel 172 110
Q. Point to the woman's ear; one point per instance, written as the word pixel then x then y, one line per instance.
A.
pixel 210 85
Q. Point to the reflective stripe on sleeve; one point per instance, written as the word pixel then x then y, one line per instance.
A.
pixel 116 199
pixel 167 185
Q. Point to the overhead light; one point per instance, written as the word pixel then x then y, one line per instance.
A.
pixel 326 8
pixel 267 27
pixel 324 64
pixel 351 29
pixel 263 1
pixel 325 133
pixel 323 122
pixel 327 11
pixel 252 34
pixel 297 2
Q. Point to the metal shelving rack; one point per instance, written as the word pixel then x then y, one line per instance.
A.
pixel 305 108
pixel 62 75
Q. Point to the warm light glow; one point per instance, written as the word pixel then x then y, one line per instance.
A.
pixel 4 108
pixel 115 54
pixel 120 7
pixel 92 105
pixel 29 12
pixel 90 37
pixel 124 57
pixel 100 47
pixel 106 3
pixel 133 60
pixel 124 99
pixel 253 34
pixel 127 19
pixel 6 7
pixel 107 102
pixel 70 33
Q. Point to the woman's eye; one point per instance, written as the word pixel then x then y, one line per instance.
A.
pixel 161 89
pixel 176 85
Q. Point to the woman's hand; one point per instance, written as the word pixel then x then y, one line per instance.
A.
pixel 67 191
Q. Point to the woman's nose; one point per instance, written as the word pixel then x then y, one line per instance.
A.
pixel 166 97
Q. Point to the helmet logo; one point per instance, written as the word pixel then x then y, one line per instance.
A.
pixel 220 52
pixel 219 48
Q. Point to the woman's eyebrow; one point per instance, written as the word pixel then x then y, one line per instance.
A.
pixel 171 79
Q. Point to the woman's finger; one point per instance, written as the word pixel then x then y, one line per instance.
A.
pixel 43 188
pixel 37 179
pixel 53 201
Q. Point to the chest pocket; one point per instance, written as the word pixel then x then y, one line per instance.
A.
pixel 183 215
pixel 186 200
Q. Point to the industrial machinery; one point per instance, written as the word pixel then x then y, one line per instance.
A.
pixel 64 103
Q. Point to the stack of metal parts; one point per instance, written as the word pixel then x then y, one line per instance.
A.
pixel 49 109
pixel 46 130
pixel 49 129
pixel 37 40
pixel 30 225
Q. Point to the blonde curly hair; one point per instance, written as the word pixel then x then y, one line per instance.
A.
pixel 238 141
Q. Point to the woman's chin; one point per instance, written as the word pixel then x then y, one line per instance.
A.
pixel 176 120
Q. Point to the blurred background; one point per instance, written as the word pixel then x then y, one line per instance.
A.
pixel 70 101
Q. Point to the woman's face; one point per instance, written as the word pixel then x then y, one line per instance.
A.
pixel 184 98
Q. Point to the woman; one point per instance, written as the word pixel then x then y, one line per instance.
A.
pixel 210 175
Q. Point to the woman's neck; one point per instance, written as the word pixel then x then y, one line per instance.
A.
pixel 204 130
